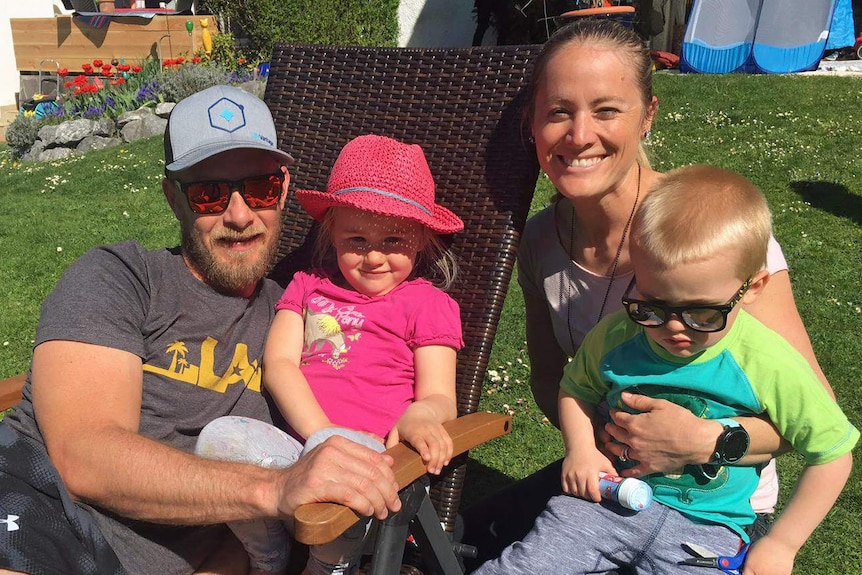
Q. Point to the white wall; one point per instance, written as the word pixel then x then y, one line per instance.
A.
pixel 436 23
pixel 15 9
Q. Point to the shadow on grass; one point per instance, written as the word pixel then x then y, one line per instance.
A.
pixel 830 197
pixel 481 482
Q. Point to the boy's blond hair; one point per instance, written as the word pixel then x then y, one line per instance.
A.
pixel 697 212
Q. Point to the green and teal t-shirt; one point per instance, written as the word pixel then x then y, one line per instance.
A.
pixel 751 371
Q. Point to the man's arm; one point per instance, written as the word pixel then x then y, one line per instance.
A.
pixel 87 400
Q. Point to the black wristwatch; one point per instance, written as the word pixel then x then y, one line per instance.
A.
pixel 732 444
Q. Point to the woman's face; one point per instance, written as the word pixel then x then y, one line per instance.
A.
pixel 588 119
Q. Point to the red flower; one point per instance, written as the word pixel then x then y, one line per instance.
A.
pixel 196 60
pixel 137 69
pixel 80 80
pixel 118 81
pixel 124 67
pixel 62 72
pixel 106 69
pixel 87 68
pixel 180 60
pixel 68 84
pixel 240 61
pixel 97 63
pixel 168 63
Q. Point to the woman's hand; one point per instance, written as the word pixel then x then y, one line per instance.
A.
pixel 663 437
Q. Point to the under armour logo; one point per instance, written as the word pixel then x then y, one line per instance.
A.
pixel 10 522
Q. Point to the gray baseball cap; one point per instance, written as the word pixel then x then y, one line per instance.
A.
pixel 216 120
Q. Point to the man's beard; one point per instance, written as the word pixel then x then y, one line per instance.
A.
pixel 235 275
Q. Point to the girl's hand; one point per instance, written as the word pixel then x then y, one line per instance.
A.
pixel 425 435
pixel 767 556
pixel 581 474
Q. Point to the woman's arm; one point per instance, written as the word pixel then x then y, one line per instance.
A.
pixel 776 309
pixel 547 359
pixel 434 391
pixel 282 377
pixel 664 436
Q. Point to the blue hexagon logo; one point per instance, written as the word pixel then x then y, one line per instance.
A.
pixel 226 115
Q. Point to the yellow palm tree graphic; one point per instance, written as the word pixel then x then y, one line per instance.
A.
pixel 179 349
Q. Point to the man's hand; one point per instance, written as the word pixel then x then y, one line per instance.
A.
pixel 340 471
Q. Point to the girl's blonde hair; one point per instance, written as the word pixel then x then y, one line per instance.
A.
pixel 697 212
pixel 434 261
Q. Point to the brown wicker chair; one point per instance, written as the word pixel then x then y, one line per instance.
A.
pixel 463 106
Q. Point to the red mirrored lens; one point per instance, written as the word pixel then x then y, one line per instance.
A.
pixel 262 192
pixel 213 197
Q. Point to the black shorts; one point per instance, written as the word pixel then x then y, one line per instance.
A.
pixel 42 531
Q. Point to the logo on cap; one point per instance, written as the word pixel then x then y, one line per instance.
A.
pixel 226 115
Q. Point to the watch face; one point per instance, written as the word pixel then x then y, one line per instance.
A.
pixel 734 444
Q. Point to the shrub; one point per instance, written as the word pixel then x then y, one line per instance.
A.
pixel 337 22
pixel 21 134
pixel 177 83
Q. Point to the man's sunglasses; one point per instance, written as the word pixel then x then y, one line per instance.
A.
pixel 705 318
pixel 213 197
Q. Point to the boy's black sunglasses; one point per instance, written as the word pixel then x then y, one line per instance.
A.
pixel 705 318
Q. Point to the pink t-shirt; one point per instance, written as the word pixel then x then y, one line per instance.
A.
pixel 358 351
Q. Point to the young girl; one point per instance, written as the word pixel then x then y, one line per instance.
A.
pixel 363 346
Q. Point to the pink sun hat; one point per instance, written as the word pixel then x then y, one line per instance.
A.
pixel 384 176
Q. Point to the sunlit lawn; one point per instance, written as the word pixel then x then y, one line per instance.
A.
pixel 798 138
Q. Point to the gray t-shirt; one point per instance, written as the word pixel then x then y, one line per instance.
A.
pixel 201 353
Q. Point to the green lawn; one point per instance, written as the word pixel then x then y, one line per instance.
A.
pixel 796 137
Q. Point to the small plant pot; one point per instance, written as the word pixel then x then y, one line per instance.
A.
pixel 106 5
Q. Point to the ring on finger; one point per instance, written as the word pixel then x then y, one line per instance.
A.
pixel 624 456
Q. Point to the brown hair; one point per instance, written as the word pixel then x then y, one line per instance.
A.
pixel 596 31
pixel 696 212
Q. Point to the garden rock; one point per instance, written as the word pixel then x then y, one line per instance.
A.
pixel 133 116
pixel 148 125
pixel 97 143
pixel 72 132
pixel 163 109
pixel 55 154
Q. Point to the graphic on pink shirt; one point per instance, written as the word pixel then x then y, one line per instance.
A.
pixel 324 330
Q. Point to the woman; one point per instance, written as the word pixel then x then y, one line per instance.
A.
pixel 591 104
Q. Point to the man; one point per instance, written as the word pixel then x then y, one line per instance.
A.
pixel 136 351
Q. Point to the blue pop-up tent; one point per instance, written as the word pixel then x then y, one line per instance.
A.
pixel 756 35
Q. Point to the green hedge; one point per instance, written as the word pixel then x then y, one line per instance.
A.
pixel 336 22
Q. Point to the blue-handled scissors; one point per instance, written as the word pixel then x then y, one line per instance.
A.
pixel 706 558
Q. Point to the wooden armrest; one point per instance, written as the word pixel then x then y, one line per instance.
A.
pixel 10 390
pixel 317 523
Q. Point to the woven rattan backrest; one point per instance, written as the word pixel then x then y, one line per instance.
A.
pixel 463 106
